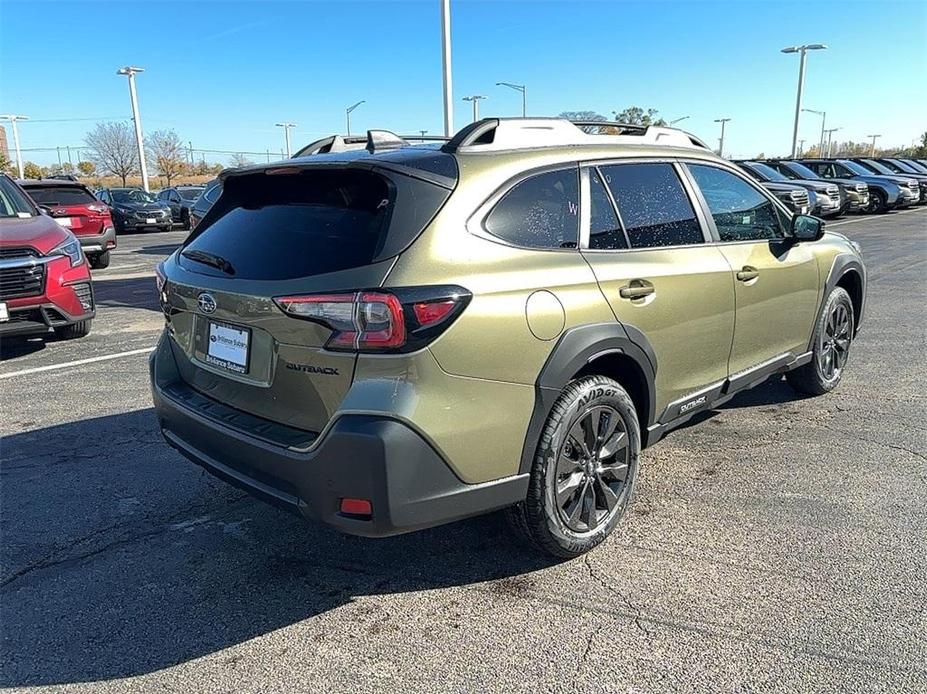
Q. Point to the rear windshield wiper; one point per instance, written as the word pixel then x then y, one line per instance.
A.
pixel 210 259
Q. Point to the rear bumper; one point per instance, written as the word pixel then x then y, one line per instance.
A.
pixel 376 458
pixel 98 243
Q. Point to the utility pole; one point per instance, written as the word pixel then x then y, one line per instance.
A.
pixel 130 72
pixel 475 99
pixel 801 147
pixel 872 148
pixel 268 156
pixel 190 144
pixel 19 155
pixel 286 135
pixel 423 134
pixel 801 83
pixel 722 121
pixel 446 67
pixel 347 114
pixel 59 156
pixel 823 115
pixel 524 95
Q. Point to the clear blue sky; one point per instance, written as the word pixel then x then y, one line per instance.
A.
pixel 222 73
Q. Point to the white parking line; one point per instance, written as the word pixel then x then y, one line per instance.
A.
pixel 869 218
pixel 79 362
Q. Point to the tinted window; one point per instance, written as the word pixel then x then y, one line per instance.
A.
pixel 131 196
pixel 212 192
pixel 852 166
pixel 189 193
pixel 653 205
pixel 60 195
pixel 796 170
pixel 605 232
pixel 540 212
pixel 741 212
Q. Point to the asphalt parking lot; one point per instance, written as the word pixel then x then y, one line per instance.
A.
pixel 779 544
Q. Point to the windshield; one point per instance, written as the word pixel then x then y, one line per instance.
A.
pixel 12 201
pixel 131 196
pixel 796 170
pixel 767 172
pixel 914 166
pixel 903 166
pixel 189 193
pixel 857 168
pixel 881 168
pixel 60 195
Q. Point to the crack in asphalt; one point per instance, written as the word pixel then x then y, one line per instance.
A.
pixel 636 614
pixel 856 436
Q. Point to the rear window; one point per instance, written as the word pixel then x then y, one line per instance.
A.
pixel 60 195
pixel 277 227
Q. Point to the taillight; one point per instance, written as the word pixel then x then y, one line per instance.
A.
pixel 99 209
pixel 400 320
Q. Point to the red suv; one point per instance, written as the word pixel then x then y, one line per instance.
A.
pixel 44 277
pixel 74 207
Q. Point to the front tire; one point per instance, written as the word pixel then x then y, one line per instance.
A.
pixel 833 335
pixel 877 202
pixel 583 475
pixel 73 331
pixel 99 261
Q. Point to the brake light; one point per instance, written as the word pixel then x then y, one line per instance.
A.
pixel 99 209
pixel 399 320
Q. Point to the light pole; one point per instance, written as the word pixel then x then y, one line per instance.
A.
pixel 475 99
pixel 722 121
pixel 673 122
pixel 423 134
pixel 524 94
pixel 19 155
pixel 801 147
pixel 872 148
pixel 801 83
pixel 286 134
pixel 823 115
pixel 347 114
pixel 830 134
pixel 130 72
pixel 446 67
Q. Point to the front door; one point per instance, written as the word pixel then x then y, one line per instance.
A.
pixel 776 280
pixel 649 254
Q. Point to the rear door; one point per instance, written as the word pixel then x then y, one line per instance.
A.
pixel 306 232
pixel 649 251
pixel 777 284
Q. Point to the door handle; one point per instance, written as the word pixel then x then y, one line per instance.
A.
pixel 636 289
pixel 747 273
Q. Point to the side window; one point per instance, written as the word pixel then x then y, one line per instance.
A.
pixel 605 231
pixel 741 212
pixel 838 170
pixel 653 205
pixel 540 212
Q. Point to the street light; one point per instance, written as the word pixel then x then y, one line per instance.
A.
pixel 475 99
pixel 19 155
pixel 823 115
pixel 830 134
pixel 286 134
pixel 347 114
pixel 130 72
pixel 673 122
pixel 446 67
pixel 423 134
pixel 524 94
pixel 801 82
pixel 872 148
pixel 722 121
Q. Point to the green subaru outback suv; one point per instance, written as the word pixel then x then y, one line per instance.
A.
pixel 389 338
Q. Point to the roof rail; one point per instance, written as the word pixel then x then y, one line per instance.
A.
pixel 501 134
pixel 344 143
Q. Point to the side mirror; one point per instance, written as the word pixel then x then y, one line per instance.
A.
pixel 45 210
pixel 807 228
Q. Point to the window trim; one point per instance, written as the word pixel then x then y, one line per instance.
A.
pixel 710 220
pixel 681 174
pixel 476 223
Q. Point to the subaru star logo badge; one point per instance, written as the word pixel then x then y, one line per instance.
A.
pixel 206 302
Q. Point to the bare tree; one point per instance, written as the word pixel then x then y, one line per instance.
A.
pixel 239 160
pixel 585 116
pixel 167 152
pixel 113 149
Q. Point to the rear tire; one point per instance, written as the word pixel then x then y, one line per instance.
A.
pixel 583 475
pixel 99 260
pixel 833 335
pixel 75 330
pixel 877 203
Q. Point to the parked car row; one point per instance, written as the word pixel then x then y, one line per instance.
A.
pixel 831 187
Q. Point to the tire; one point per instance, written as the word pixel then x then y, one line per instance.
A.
pixel 75 330
pixel 833 336
pixel 593 415
pixel 185 222
pixel 877 202
pixel 99 260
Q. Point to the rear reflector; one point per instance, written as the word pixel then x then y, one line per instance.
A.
pixel 356 507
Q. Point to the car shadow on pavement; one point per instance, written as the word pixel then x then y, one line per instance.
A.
pixel 12 347
pixel 120 558
pixel 135 292
pixel 160 249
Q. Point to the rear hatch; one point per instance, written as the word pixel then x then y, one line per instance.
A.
pixel 72 206
pixel 323 229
